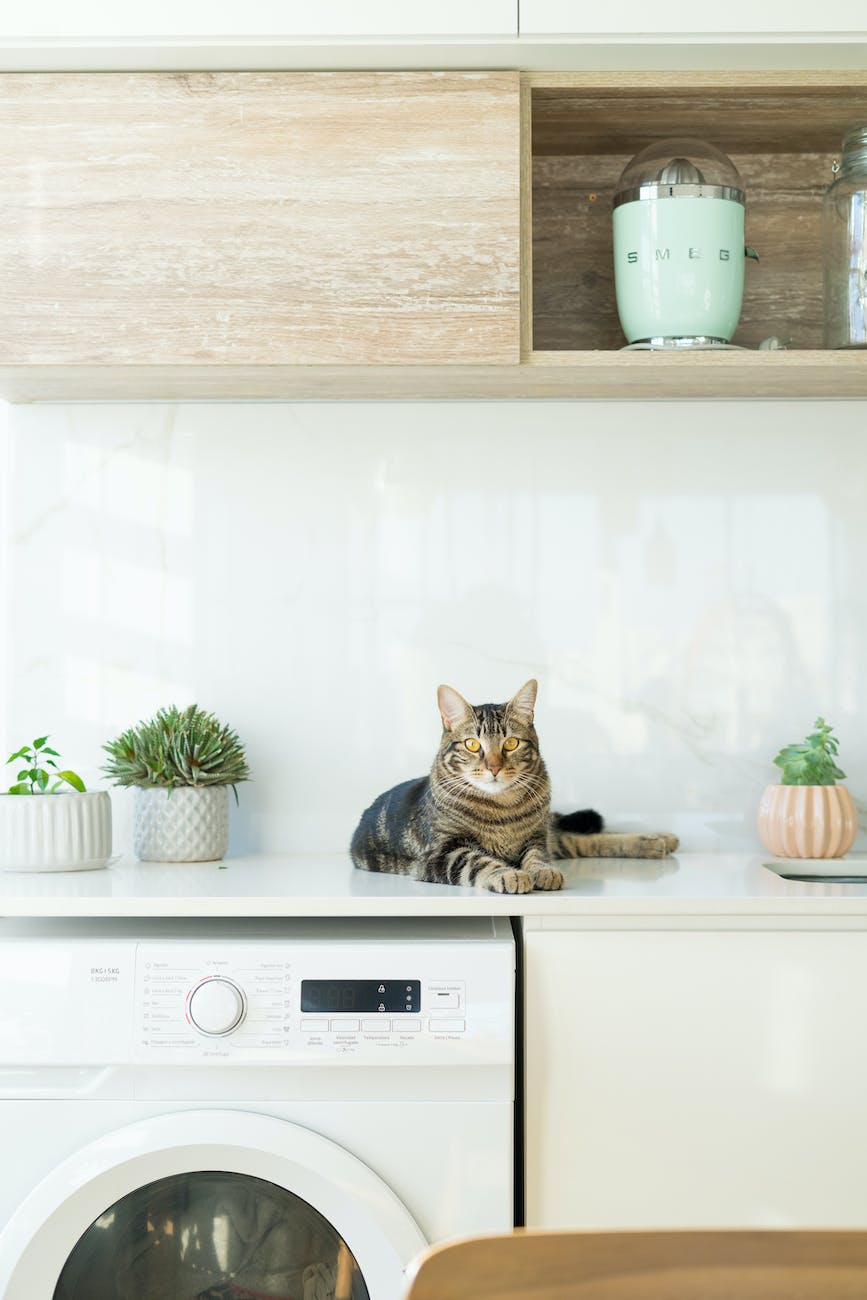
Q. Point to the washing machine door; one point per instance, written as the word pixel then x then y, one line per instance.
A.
pixel 209 1205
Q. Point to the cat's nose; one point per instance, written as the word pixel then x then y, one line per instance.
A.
pixel 493 766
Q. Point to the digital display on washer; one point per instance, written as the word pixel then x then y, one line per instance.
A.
pixel 363 996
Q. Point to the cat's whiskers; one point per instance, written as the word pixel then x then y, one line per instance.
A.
pixel 532 790
pixel 451 785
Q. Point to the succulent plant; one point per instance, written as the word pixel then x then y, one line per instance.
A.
pixel 175 748
pixel 814 761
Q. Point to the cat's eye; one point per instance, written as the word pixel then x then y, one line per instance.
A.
pixel 510 743
pixel 473 745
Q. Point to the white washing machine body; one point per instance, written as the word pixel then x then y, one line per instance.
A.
pixel 209 1111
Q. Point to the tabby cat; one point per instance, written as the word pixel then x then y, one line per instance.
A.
pixel 482 816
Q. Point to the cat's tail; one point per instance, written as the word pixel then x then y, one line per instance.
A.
pixel 563 828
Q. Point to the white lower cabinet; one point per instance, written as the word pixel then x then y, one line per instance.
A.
pixel 696 1078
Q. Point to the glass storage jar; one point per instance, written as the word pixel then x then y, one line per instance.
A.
pixel 844 220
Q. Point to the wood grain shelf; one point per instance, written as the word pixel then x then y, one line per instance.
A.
pixel 587 374
pixel 663 375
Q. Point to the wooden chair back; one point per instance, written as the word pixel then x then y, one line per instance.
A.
pixel 698 1265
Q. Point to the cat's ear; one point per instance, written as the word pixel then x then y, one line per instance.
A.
pixel 521 705
pixel 453 707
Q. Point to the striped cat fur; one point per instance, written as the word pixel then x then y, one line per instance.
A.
pixel 482 816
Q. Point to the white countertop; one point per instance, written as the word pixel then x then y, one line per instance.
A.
pixel 690 884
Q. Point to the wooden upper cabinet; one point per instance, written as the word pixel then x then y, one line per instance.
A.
pixel 259 218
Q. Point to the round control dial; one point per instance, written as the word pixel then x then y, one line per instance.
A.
pixel 216 1007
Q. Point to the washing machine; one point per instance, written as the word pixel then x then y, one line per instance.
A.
pixel 249 1110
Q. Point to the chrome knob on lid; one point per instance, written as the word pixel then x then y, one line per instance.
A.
pixel 216 1007
pixel 680 171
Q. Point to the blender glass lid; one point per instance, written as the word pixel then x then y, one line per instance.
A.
pixel 679 166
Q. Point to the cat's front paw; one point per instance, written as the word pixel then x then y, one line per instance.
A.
pixel 510 880
pixel 547 878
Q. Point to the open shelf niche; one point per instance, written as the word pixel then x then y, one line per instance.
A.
pixel 781 130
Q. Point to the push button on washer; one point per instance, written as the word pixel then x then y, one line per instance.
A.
pixel 447 1026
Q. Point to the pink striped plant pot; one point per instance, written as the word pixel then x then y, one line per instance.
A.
pixel 807 821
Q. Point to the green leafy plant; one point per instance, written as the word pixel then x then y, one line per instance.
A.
pixel 176 748
pixel 34 776
pixel 814 761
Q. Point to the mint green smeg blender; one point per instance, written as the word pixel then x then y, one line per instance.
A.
pixel 679 246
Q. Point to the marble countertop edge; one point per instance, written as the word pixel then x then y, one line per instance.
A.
pixel 690 885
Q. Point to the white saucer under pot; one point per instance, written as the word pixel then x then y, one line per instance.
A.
pixel 851 869
pixel 55 832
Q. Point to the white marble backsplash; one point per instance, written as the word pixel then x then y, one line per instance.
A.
pixel 685 580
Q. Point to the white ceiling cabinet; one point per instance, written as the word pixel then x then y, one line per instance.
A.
pixel 51 20
pixel 674 17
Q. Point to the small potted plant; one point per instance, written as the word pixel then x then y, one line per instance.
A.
pixel 808 815
pixel 48 820
pixel 182 763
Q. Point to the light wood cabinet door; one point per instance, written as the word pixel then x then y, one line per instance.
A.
pixel 259 218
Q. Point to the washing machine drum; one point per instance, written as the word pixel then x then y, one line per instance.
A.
pixel 211 1236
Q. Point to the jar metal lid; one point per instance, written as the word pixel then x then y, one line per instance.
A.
pixel 854 148
pixel 855 138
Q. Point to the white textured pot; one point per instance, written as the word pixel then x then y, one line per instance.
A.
pixel 55 832
pixel 189 823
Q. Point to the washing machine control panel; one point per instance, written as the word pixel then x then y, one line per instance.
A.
pixel 191 1001
pixel 306 1002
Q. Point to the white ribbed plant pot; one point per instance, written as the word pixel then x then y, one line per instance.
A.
pixel 55 832
pixel 186 824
